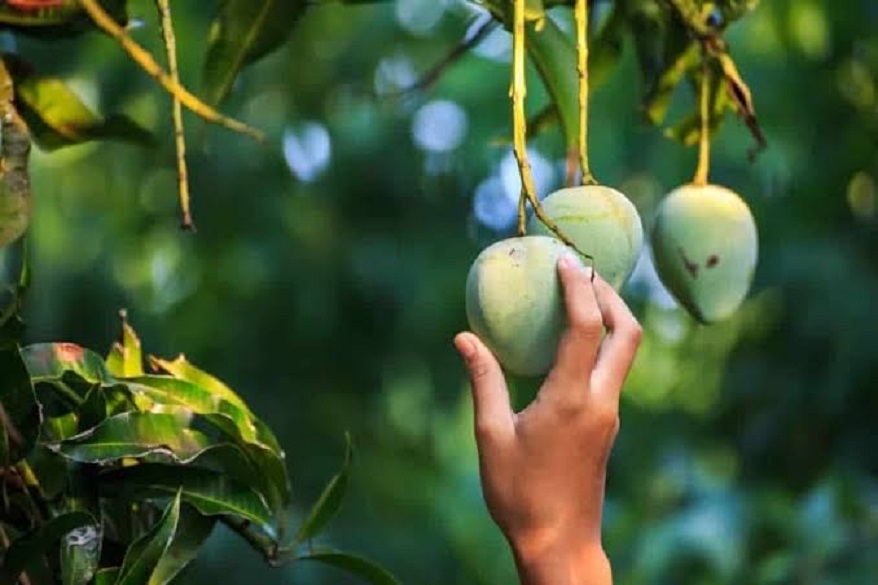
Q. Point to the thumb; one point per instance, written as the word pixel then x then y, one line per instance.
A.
pixel 493 411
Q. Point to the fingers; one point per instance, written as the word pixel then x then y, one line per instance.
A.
pixel 620 344
pixel 493 411
pixel 579 345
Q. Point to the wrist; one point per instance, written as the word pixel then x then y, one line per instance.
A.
pixel 565 563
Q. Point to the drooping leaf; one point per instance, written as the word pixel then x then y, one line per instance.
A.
pixel 244 31
pixel 688 130
pixel 107 576
pixel 329 501
pixel 20 416
pixel 743 100
pixel 125 359
pixel 352 564
pixel 210 492
pixel 31 546
pixel 193 529
pixel 52 360
pixel 144 554
pixel 658 99
pixel 137 434
pixel 181 368
pixel 80 554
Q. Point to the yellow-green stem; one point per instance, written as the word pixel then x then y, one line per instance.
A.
pixel 580 14
pixel 703 169
pixel 167 26
pixel 146 62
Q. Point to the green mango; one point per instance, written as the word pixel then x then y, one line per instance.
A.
pixel 705 247
pixel 602 223
pixel 514 302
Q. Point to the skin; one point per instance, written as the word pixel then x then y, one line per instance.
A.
pixel 543 469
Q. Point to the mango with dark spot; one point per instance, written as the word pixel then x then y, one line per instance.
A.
pixel 705 247
pixel 514 302
pixel 601 222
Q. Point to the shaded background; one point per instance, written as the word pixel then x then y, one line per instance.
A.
pixel 326 282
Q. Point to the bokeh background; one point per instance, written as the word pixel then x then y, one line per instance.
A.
pixel 325 283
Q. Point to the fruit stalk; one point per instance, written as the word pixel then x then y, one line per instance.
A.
pixel 703 169
pixel 580 15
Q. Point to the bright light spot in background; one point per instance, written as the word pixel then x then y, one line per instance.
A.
pixel 542 170
pixel 308 152
pixel 394 74
pixel 861 196
pixel 809 29
pixel 645 276
pixel 496 46
pixel 856 83
pixel 420 16
pixel 492 206
pixel 439 126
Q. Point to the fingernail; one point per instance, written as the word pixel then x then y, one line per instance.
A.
pixel 465 346
pixel 569 261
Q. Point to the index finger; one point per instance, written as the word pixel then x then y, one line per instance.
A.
pixel 620 344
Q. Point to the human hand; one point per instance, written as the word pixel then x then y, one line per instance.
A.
pixel 543 469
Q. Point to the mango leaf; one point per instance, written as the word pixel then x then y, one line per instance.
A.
pixel 52 360
pixel 63 19
pixel 181 368
pixel 59 428
pixel 329 501
pixel 658 99
pixel 193 529
pixel 137 434
pixel 56 117
pixel 93 410
pixel 125 359
pixel 352 564
pixel 688 130
pixel 31 546
pixel 80 554
pixel 20 416
pixel 145 553
pixel 106 576
pixel 210 492
pixel 244 31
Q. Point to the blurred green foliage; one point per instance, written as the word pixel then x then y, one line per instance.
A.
pixel 326 282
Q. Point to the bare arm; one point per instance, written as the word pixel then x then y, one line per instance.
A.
pixel 543 469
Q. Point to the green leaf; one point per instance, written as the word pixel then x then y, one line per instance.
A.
pixel 68 17
pixel 365 569
pixel 212 493
pixel 57 117
pixel 181 368
pixel 29 547
pixel 106 576
pixel 137 434
pixel 244 31
pixel 329 501
pixel 193 529
pixel 658 100
pixel 80 554
pixel 144 554
pixel 51 360
pixel 20 417
pixel 126 356
pixel 93 410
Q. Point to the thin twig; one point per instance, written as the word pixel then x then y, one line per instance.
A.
pixel 581 18
pixel 167 26
pixel 703 169
pixel 146 61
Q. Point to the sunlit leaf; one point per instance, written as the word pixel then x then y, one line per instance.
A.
pixel 193 529
pixel 210 492
pixel 80 554
pixel 144 554
pixel 31 546
pixel 136 434
pixel 183 369
pixel 51 360
pixel 329 501
pixel 244 31
pixel 19 411
pixel 352 564
pixel 126 356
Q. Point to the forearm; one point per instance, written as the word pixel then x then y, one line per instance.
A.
pixel 581 565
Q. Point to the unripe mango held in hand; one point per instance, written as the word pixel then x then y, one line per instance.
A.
pixel 514 302
pixel 705 247
pixel 602 223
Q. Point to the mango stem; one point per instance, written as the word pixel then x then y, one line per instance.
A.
pixel 703 169
pixel 580 15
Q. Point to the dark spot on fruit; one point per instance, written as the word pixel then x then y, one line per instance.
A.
pixel 712 261
pixel 690 266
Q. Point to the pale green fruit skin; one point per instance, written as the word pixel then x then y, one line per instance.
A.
pixel 15 212
pixel 514 302
pixel 602 223
pixel 705 247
